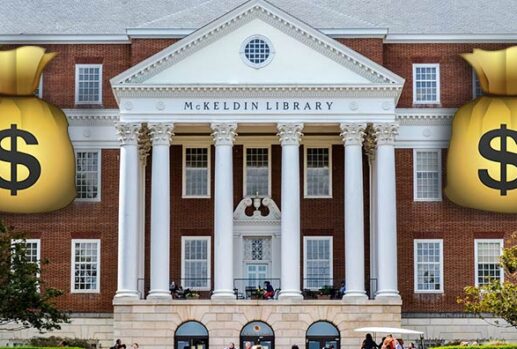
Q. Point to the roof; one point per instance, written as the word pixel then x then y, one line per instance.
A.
pixel 115 17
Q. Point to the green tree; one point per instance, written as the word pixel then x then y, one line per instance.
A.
pixel 496 298
pixel 24 302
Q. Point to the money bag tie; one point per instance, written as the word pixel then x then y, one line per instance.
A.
pixel 482 155
pixel 37 162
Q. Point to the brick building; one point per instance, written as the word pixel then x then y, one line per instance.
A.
pixel 220 145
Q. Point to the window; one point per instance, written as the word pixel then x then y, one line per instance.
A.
pixel 196 172
pixel 318 177
pixel 487 254
pixel 476 86
pixel 322 334
pixel 426 83
pixel 39 90
pixel 428 259
pixel 191 334
pixel 427 176
pixel 318 262
pixel 195 263
pixel 88 175
pixel 32 250
pixel 85 265
pixel 256 172
pixel 257 333
pixel 88 84
pixel 257 51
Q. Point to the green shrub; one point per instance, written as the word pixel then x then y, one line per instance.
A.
pixel 54 341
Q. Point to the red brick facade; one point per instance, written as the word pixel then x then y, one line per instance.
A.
pixel 458 227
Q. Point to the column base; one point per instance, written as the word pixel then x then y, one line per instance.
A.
pixel 290 295
pixel 351 295
pixel 159 294
pixel 223 295
pixel 387 294
pixel 127 294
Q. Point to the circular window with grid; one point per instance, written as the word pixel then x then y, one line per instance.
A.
pixel 257 51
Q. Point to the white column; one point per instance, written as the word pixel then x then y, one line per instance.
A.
pixel 143 147
pixel 386 210
pixel 290 136
pixel 353 135
pixel 373 224
pixel 161 134
pixel 224 136
pixel 128 211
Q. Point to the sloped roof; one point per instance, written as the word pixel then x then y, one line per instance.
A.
pixel 398 16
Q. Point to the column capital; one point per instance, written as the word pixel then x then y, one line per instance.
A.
pixel 127 132
pixel 290 133
pixel 224 133
pixel 161 133
pixel 352 133
pixel 385 133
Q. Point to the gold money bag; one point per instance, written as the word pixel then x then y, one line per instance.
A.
pixel 482 156
pixel 37 162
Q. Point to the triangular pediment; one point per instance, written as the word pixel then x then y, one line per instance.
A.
pixel 214 56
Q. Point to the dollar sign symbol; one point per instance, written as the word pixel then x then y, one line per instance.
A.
pixel 16 158
pixel 502 156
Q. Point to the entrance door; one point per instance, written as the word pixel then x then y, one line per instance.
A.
pixel 322 343
pixel 256 274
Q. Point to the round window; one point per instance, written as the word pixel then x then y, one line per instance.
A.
pixel 257 51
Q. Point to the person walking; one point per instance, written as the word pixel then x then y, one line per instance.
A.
pixel 369 343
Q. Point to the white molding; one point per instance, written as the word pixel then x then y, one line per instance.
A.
pixel 76 82
pixel 305 195
pixel 184 171
pixel 72 266
pixel 208 261
pixel 440 173
pixel 476 241
pixel 259 222
pixel 99 172
pixel 427 65
pixel 65 38
pixel 331 258
pixel 449 38
pixel 415 264
pixel 245 166
pixel 425 116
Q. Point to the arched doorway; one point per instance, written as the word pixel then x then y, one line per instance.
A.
pixel 258 332
pixel 191 335
pixel 322 334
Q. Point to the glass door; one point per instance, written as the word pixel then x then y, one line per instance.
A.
pixel 322 343
pixel 256 274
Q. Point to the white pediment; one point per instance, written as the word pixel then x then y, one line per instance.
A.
pixel 212 56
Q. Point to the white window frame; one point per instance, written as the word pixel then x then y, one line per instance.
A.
pixel 72 266
pixel 427 65
pixel 476 241
pixel 474 78
pixel 77 66
pixel 415 265
pixel 440 174
pixel 99 173
pixel 208 257
pixel 331 257
pixel 305 194
pixel 40 87
pixel 245 165
pixel 184 172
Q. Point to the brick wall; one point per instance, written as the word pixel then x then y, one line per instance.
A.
pixel 457 226
pixel 79 220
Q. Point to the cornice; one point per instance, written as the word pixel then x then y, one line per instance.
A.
pixel 373 90
pixel 88 117
pixel 425 116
